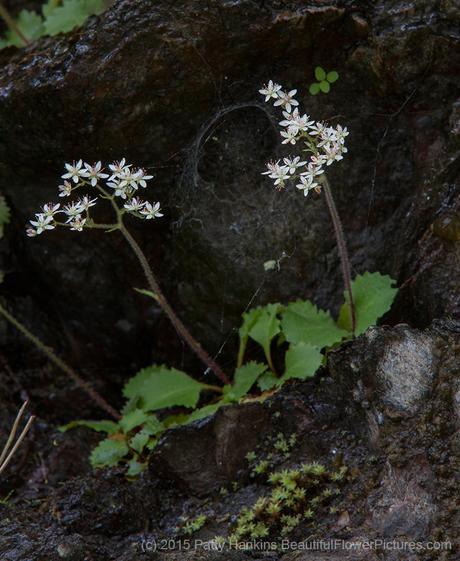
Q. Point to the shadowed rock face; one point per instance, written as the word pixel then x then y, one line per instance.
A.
pixel 174 86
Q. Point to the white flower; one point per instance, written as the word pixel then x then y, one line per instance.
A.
pixel 65 189
pixel 94 173
pixel 134 204
pixel 286 100
pixel 270 91
pixel 120 190
pixel 127 178
pixel 279 173
pixel 341 133
pixel 50 209
pixel 31 232
pixel 332 154
pixel 42 223
pixel 293 163
pixel 141 177
pixel 317 128
pixel 117 168
pixel 306 184
pixel 313 168
pixel 74 171
pixel 77 224
pixel 85 202
pixel 151 211
pixel 290 136
pixel 327 137
pixel 73 211
pixel 289 118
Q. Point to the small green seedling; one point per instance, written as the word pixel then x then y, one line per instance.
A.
pixel 324 81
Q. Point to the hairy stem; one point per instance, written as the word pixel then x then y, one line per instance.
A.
pixel 342 247
pixel 175 320
pixel 10 22
pixel 83 384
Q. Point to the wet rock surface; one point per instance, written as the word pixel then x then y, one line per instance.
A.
pixel 173 86
pixel 401 481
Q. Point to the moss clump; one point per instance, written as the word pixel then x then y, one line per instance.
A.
pixel 296 496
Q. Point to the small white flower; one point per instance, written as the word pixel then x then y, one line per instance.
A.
pixel 94 173
pixel 151 211
pixel 65 189
pixel 134 204
pixel 31 232
pixel 50 209
pixel 289 118
pixel 290 136
pixel 120 190
pixel 341 133
pixel 279 173
pixel 117 168
pixel 74 171
pixel 317 128
pixel 141 177
pixel 286 100
pixel 306 184
pixel 77 224
pixel 85 202
pixel 42 223
pixel 73 211
pixel 270 91
pixel 293 163
pixel 332 154
pixel 313 168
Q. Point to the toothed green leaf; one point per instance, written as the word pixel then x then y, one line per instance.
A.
pixel 302 361
pixel 302 321
pixel 108 453
pixel 373 295
pixel 245 377
pixel 108 427
pixel 158 387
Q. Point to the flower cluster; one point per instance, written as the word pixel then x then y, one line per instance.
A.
pixel 325 144
pixel 122 181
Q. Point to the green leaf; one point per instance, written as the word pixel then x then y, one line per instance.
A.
pixel 373 295
pixel 324 86
pixel 249 320
pixel 158 387
pixel 109 427
pixel 139 441
pixel 135 467
pixel 49 7
pixel 244 379
pixel 133 419
pixel 267 381
pixel 146 292
pixel 108 453
pixel 265 328
pixel 153 426
pixel 320 74
pixel 31 25
pixel 302 321
pixel 5 215
pixel 314 89
pixel 302 361
pixel 204 412
pixel 72 13
pixel 332 76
